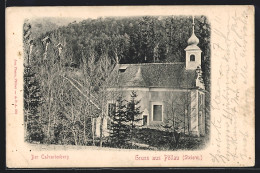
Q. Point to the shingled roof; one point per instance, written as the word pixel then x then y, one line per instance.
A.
pixel 168 75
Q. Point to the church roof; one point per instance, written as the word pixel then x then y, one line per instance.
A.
pixel 193 41
pixel 163 75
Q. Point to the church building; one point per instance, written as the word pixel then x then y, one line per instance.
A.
pixel 168 92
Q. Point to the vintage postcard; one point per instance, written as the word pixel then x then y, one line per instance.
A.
pixel 130 86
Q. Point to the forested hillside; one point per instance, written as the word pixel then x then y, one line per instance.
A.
pixel 42 25
pixel 72 63
pixel 130 40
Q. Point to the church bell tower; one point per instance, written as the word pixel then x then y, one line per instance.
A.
pixel 193 52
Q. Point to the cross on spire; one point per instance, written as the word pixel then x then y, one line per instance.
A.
pixel 193 24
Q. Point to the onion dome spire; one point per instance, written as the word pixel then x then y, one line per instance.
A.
pixel 193 40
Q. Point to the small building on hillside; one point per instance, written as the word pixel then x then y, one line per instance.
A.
pixel 168 92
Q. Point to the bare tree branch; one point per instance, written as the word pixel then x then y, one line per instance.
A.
pixel 81 92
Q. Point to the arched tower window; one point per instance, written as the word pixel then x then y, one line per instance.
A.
pixel 192 57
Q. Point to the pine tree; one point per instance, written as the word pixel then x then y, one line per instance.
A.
pixel 119 133
pixel 32 101
pixel 133 112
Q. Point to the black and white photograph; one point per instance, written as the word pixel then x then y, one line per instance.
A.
pixel 122 82
pixel 125 86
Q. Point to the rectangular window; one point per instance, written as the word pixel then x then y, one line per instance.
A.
pixel 108 123
pixel 111 109
pixel 157 112
pixel 144 120
pixel 200 119
pixel 111 113
pixel 201 99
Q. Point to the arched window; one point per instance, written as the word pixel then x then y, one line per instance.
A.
pixel 192 57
